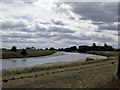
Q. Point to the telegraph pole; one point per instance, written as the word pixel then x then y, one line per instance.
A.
pixel 118 65
pixel 118 45
pixel 118 73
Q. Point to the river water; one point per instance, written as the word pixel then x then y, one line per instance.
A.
pixel 56 58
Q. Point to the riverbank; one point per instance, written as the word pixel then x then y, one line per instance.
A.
pixel 85 74
pixel 73 78
pixel 57 58
pixel 8 54
pixel 114 83
pixel 104 53
pixel 52 66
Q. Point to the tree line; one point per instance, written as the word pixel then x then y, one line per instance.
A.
pixel 83 48
pixel 86 48
pixel 23 52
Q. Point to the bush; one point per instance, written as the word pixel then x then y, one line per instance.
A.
pixel 14 49
pixel 24 52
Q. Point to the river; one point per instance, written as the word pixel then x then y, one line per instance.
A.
pixel 56 58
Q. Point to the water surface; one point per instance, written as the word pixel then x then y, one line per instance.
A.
pixel 57 57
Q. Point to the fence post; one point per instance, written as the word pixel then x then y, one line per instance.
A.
pixel 118 73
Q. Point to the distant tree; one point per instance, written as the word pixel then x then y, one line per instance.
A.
pixel 94 45
pixel 32 48
pixel 24 52
pixel 118 50
pixel 46 48
pixel 60 49
pixel 73 48
pixel 118 71
pixel 14 49
pixel 27 48
pixel 105 45
pixel 51 48
pixel 83 48
pixel 4 49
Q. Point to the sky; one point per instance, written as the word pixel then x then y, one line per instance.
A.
pixel 50 23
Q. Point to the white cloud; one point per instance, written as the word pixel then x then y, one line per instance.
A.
pixel 45 24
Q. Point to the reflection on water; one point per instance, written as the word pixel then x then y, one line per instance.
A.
pixel 14 61
pixel 24 60
pixel 27 62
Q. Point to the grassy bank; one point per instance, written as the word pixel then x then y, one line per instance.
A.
pixel 104 53
pixel 95 77
pixel 30 53
pixel 114 83
pixel 10 73
pixel 92 77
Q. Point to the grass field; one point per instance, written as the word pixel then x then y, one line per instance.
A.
pixel 94 77
pixel 30 53
pixel 104 53
pixel 115 83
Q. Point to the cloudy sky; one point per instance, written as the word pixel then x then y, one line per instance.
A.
pixel 58 24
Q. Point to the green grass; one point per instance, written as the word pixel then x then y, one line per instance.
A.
pixel 45 68
pixel 114 83
pixel 30 53
pixel 104 53
pixel 96 77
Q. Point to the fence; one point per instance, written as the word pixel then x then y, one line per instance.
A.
pixel 55 72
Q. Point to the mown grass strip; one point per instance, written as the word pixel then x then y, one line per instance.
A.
pixel 43 74
pixel 6 54
pixel 36 69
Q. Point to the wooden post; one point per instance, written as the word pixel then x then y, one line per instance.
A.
pixel 118 73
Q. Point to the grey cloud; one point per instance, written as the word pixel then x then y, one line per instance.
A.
pixel 98 23
pixel 58 22
pixel 70 37
pixel 98 12
pixel 28 35
pixel 45 35
pixel 60 30
pixel 83 37
pixel 104 26
pixel 69 42
pixel 19 35
pixel 22 30
pixel 14 40
pixel 71 18
pixel 36 29
pixel 118 34
pixel 39 28
pixel 21 25
pixel 60 9
pixel 105 12
pixel 12 25
pixel 109 27
pixel 13 1
pixel 26 29
pixel 104 39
